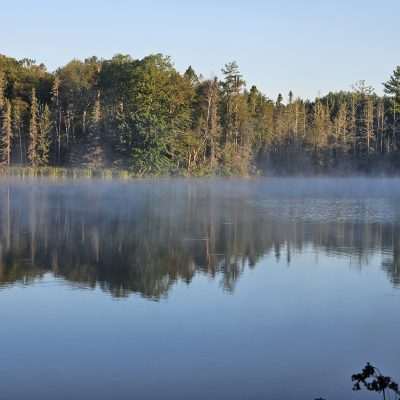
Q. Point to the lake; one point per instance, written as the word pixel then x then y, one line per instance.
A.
pixel 197 289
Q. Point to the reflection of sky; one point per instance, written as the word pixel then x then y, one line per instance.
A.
pixel 295 331
pixel 290 330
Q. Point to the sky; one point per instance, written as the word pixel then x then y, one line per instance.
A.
pixel 310 47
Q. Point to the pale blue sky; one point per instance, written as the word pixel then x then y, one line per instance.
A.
pixel 307 46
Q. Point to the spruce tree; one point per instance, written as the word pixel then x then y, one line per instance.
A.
pixel 7 134
pixel 57 112
pixel 392 86
pixel 95 157
pixel 17 127
pixel 45 126
pixel 232 86
pixel 2 90
pixel 33 131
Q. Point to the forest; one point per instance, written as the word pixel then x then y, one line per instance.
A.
pixel 143 116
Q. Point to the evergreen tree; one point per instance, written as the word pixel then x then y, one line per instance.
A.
pixel 95 152
pixel 123 138
pixel 321 127
pixel 33 155
pixel 279 100
pixel 7 134
pixel 392 86
pixel 232 86
pixel 213 125
pixel 17 127
pixel 57 112
pixel 380 125
pixel 191 76
pixel 341 129
pixel 369 123
pixel 44 138
pixel 2 90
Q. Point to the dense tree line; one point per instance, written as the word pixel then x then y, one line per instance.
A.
pixel 144 116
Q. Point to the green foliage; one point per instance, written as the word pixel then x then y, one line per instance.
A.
pixel 150 154
pixel 2 89
pixel 33 153
pixel 143 115
pixel 392 86
pixel 44 141
pixel 6 132
pixel 234 161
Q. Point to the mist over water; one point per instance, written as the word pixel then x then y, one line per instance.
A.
pixel 226 289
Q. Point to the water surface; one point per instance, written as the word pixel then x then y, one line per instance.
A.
pixel 205 289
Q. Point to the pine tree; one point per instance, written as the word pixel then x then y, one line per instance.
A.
pixel 341 129
pixel 369 122
pixel 191 76
pixel 7 134
pixel 2 95
pixel 56 105
pixel 352 125
pixel 207 122
pixel 45 126
pixel 122 139
pixel 2 90
pixel 96 114
pixel 380 117
pixel 33 156
pixel 95 156
pixel 392 86
pixel 321 126
pixel 279 122
pixel 290 97
pixel 214 127
pixel 231 89
pixel 17 127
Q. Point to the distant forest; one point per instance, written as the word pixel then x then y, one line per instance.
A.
pixel 146 117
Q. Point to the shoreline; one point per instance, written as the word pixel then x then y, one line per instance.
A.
pixel 74 173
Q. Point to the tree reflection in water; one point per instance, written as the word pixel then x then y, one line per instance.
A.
pixel 143 237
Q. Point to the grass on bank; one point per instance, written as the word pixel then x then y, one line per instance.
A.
pixel 102 173
pixel 65 173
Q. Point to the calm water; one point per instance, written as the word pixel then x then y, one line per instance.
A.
pixel 277 289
